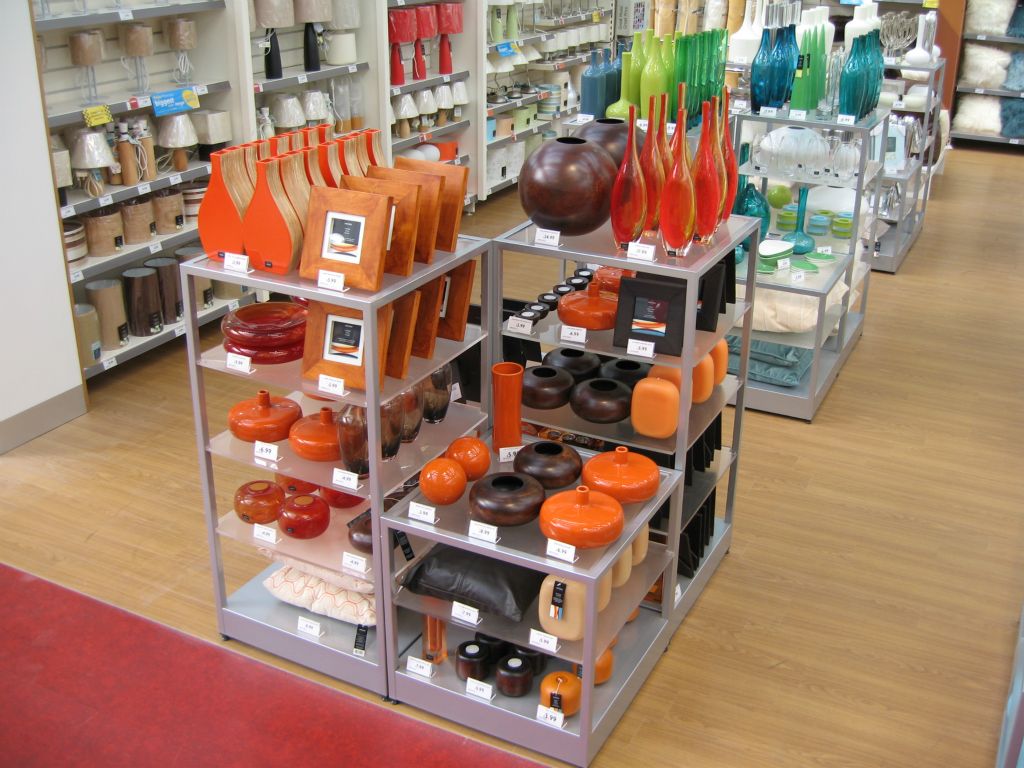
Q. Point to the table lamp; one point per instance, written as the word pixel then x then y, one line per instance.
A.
pixel 311 12
pixel 427 108
pixel 271 15
pixel 177 134
pixel 89 154
pixel 449 22
pixel 445 103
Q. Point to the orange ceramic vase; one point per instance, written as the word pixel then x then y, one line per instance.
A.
pixel 609 278
pixel 443 481
pixel 263 418
pixel 627 477
pixel 220 226
pixel 667 372
pixel 472 454
pixel 315 437
pixel 562 691
pixel 655 407
pixel 720 358
pixel 340 499
pixel 293 485
pixel 506 407
pixel 590 309
pixel 703 380
pixel 583 518
pixel 602 669
pixel 267 238
pixel 259 502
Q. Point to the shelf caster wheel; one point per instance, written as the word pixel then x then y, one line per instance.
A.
pixel 224 637
pixel 389 700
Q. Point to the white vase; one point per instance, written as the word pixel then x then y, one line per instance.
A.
pixel 857 27
pixel 918 56
pixel 744 43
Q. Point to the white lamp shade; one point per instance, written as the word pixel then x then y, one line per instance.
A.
pixel 177 132
pixel 443 96
pixel 91 150
pixel 312 11
pixel 274 14
pixel 314 105
pixel 425 103
pixel 460 94
pixel 287 111
pixel 213 126
pixel 407 107
pixel 344 14
pixel 531 53
pixel 391 113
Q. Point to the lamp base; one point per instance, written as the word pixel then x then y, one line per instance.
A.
pixel 310 50
pixel 272 58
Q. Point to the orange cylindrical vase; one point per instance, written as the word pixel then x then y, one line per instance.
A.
pixel 506 408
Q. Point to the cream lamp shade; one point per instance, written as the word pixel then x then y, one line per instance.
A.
pixel 91 150
pixel 460 94
pixel 177 133
pixel 287 111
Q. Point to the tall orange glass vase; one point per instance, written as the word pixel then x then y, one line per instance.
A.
pixel 506 405
pixel 729 155
pixel 629 193
pixel 678 203
pixel 706 186
pixel 653 170
pixel 716 148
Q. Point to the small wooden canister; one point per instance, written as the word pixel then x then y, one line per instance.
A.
pixel 203 286
pixel 108 298
pixel 139 223
pixel 142 289
pixel 228 291
pixel 86 48
pixel 168 211
pixel 170 288
pixel 87 331
pixel 192 197
pixel 75 245
pixel 104 231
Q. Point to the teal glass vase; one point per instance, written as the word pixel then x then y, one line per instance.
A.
pixel 802 242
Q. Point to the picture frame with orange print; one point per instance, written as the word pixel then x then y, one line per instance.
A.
pixel 453 199
pixel 651 310
pixel 336 343
pixel 431 188
pixel 399 257
pixel 454 312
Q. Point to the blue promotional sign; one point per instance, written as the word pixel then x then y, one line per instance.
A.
pixel 172 102
pixel 505 49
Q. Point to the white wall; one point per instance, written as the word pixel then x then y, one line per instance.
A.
pixel 40 361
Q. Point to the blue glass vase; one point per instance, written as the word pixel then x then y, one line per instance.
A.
pixel 613 77
pixel 761 73
pixel 750 202
pixel 592 100
pixel 853 82
pixel 802 242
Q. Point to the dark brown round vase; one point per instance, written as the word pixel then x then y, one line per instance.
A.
pixel 566 185
pixel 602 401
pixel 609 133
pixel 582 365
pixel 506 498
pixel 360 534
pixel 553 465
pixel 546 387
pixel 629 372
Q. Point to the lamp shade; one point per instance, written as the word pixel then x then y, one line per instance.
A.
pixel 274 14
pixel 312 11
pixel 443 96
pixel 425 103
pixel 344 14
pixel 407 107
pixel 459 93
pixel 91 150
pixel 287 111
pixel 177 132
pixel 314 105
pixel 391 113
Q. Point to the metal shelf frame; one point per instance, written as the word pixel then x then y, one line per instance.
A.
pixel 145 13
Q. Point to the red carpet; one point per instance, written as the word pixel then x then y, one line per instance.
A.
pixel 86 684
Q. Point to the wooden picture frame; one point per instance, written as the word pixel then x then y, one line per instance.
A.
pixel 453 199
pixel 347 232
pixel 345 327
pixel 425 335
pixel 458 289
pixel 406 197
pixel 431 188
pixel 651 310
pixel 403 327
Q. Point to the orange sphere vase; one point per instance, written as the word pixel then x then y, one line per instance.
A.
pixel 472 454
pixel 443 481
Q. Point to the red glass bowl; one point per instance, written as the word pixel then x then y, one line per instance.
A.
pixel 268 325
pixel 267 355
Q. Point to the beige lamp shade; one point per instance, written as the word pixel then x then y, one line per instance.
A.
pixel 177 132
pixel 274 14
pixel 391 113
pixel 443 97
pixel 407 109
pixel 287 111
pixel 425 103
pixel 315 106
pixel 91 150
pixel 312 11
pixel 460 94
pixel 344 14
pixel 213 126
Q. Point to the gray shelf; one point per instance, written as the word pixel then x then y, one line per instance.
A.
pixel 530 98
pixel 520 41
pixel 293 76
pixel 428 82
pixel 865 124
pixel 510 182
pixel 984 137
pixel 825 180
pixel 574 18
pixel 91 266
pixel 691 589
pixel 913 166
pixel 63 114
pixel 990 92
pixel 995 39
pixel 894 245
pixel 420 138
pixel 559 64
pixel 818 285
pixel 457 160
pixel 704 482
pixel 144 13
pixel 79 202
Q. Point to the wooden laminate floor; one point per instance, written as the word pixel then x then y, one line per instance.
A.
pixel 867 611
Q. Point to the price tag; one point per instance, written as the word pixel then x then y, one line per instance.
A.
pixel 543 640
pixel 547 237
pixel 739 105
pixel 125 15
pixel 465 613
pixel 419 667
pixel 201 90
pixel 508 454
pixel 899 104
pixel 145 189
pixel 446 78
pixel 782 264
pixel 332 385
pixel 456 391
pixel 981 37
pixel 359 645
pixel 352 69
pixel 352 562
pixel 550 716
pixel 561 551
pixel 302 79
pixel 262 450
pixel 797 277
pixel 106 200
pixel 679 592
pixel 847 120
pixel 889 61
pixel 641 124
pixel 156 247
pixel 641 251
pixel 930 4
pixel 77 276
pixel 1015 141
pixel 740 60
pixel 399 2
pixel 142 102
pixel 798 114
pixel 258 87
pixel 343 479
pixel 331 281
pixel 422 512
pixel 479 689
pixel 235 362
pixel 179 331
pixel 309 627
pixel 574 334
pixel 583 118
pixel 769 112
pixel 483 532
pixel 236 262
pixel 233 305
pixel 174 179
pixel 264 533
pixel 396 91
pixel 640 348
pixel 67 210
pixel 825 250
pixel 457 160
pixel 109 363
pixel 519 325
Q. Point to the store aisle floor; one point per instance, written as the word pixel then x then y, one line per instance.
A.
pixel 866 614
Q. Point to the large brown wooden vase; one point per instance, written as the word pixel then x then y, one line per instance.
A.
pixel 610 133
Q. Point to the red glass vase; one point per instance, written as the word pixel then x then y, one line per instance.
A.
pixel 731 166
pixel 679 137
pixel 663 149
pixel 678 202
pixel 629 193
pixel 706 187
pixel 653 171
pixel 716 149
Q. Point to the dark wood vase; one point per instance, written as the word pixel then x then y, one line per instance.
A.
pixel 546 387
pixel 610 133
pixel 582 365
pixel 506 498
pixel 602 401
pixel 629 372
pixel 553 465
pixel 566 185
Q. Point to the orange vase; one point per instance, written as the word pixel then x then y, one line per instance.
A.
pixel 603 669
pixel 655 406
pixel 263 418
pixel 443 481
pixel 720 358
pixel 667 372
pixel 562 691
pixel 293 485
pixel 590 309
pixel 716 148
pixel 506 408
pixel 267 237
pixel 678 205
pixel 220 225
pixel 582 517
pixel 654 175
pixel 626 476
pixel 315 437
pixel 703 380
pixel 472 454
pixel 259 502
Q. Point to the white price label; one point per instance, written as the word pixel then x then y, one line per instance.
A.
pixel 679 592
pixel 109 363
pixel 519 325
pixel 798 114
pixel 982 37
pixel 846 120
pixel 889 61
pixel 156 247
pixel 125 15
pixel 479 689
pixel 331 384
pixel 508 454
pixel 331 281
pixel 309 627
pixel 573 333
pixel 352 69
pixel 264 533
pixel 797 277
pixel 396 91
pixel 550 716
pixel 483 532
pixel 739 105
pixel 302 79
pixel 899 104
pixel 179 331
pixel 268 451
pixel 422 512
pixel 543 640
pixel 782 264
pixel 446 78
pixel 769 112
pixel 258 87
pixel 641 251
pixel 419 666
pixel 561 551
pixel 236 362
pixel 106 200
pixel 456 391
pixel 1015 141
pixel 343 479
pixel 740 60
pixel 457 161
pixel 144 101
pixel 825 250
pixel 979 90
pixel 640 348
pixel 67 210
pixel 352 562
pixel 145 189
pixel 466 613
pixel 547 237
pixel 174 179
pixel 583 118
pixel 641 124
pixel 201 90
pixel 233 305
pixel 236 262
pixel 77 276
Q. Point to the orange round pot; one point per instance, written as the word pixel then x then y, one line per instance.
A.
pixel 304 517
pixel 609 278
pixel 293 485
pixel 602 669
pixel 655 407
pixel 263 418
pixel 443 481
pixel 259 502
pixel 583 518
pixel 667 372
pixel 561 690
pixel 703 380
pixel 590 309
pixel 340 499
pixel 720 357
pixel 627 477
pixel 472 454
pixel 315 437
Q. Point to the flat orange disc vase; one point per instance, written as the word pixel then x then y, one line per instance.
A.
pixel 315 437
pixel 264 417
pixel 259 502
pixel 627 477
pixel 629 195
pixel 304 517
pixel 584 518
pixel 590 309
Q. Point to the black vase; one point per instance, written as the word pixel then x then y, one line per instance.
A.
pixel 553 465
pixel 629 372
pixel 602 401
pixel 272 58
pixel 310 50
pixel 582 365
pixel 506 498
pixel 546 387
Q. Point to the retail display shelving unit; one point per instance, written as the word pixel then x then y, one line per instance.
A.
pixel 1015 43
pixel 641 642
pixel 251 614
pixel 837 329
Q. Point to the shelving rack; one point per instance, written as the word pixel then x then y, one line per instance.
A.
pixel 642 641
pixel 251 614
pixel 1000 92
